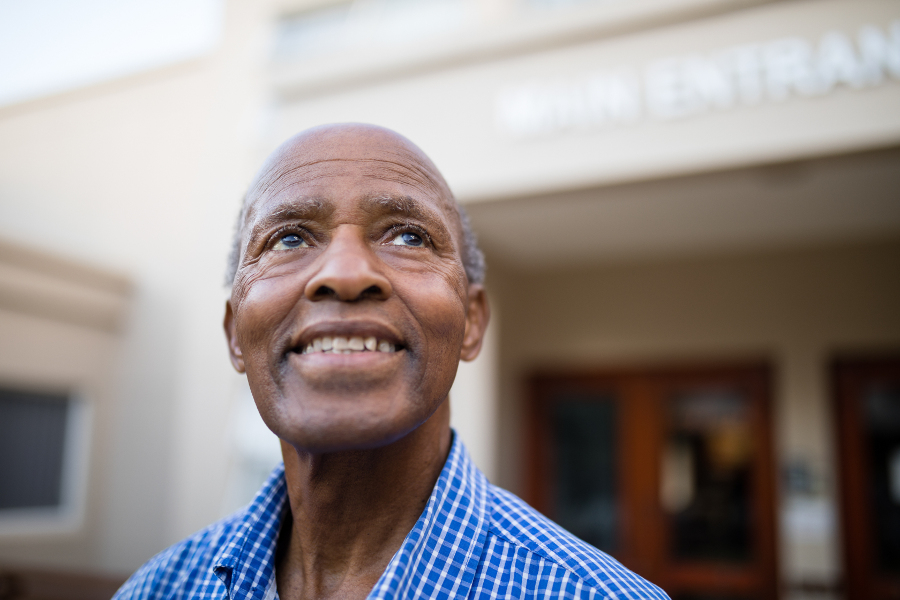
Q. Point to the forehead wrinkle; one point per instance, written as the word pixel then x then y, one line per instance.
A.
pixel 409 172
pixel 420 178
pixel 403 178
pixel 408 167
pixel 268 180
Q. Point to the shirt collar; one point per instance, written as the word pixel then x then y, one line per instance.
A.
pixel 246 563
pixel 439 556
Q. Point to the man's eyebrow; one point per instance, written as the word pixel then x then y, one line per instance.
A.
pixel 406 206
pixel 295 209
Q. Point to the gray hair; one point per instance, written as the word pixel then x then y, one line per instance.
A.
pixel 472 256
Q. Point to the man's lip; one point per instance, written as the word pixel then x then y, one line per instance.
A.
pixel 345 328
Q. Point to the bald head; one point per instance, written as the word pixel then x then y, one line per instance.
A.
pixel 371 148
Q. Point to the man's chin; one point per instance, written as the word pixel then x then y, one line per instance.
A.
pixel 338 436
pixel 352 412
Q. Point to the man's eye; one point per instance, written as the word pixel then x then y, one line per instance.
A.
pixel 408 238
pixel 289 242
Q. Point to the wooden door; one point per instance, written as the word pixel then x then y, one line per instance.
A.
pixel 867 393
pixel 668 470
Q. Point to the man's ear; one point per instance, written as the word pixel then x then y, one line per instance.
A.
pixel 234 350
pixel 477 317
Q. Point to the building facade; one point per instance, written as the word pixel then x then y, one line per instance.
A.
pixel 691 219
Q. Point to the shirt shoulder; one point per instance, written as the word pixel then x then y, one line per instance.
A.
pixel 184 570
pixel 558 560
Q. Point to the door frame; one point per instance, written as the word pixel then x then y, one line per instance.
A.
pixel 643 530
pixel 848 376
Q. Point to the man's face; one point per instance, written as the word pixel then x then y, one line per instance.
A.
pixel 351 308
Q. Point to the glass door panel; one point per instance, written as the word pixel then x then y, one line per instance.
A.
pixel 867 392
pixel 882 414
pixel 584 438
pixel 707 477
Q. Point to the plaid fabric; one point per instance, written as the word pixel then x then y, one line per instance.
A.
pixel 473 540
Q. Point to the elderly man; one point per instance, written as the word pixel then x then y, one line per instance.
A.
pixel 357 289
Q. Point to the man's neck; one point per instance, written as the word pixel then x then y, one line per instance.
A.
pixel 351 511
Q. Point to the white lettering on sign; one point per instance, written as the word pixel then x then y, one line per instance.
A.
pixel 683 86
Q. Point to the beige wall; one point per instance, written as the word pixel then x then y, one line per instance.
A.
pixel 794 308
pixel 143 176
pixel 107 178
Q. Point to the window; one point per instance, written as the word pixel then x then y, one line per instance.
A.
pixel 42 460
pixel 358 25
pixel 367 24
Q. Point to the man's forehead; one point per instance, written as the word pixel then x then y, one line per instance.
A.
pixel 376 158
pixel 368 149
pixel 349 140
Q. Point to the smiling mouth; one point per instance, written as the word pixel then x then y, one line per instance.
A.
pixel 348 345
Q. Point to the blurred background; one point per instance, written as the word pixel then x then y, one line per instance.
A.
pixel 691 215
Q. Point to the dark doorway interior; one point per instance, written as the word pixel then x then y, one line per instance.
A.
pixel 868 417
pixel 668 470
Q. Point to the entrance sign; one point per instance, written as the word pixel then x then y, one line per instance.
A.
pixel 688 85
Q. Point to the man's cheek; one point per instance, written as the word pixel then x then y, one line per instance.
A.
pixel 444 322
pixel 453 273
pixel 444 282
pixel 437 307
pixel 261 315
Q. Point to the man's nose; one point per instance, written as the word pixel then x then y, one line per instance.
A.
pixel 348 270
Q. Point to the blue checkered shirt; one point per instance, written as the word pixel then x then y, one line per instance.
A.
pixel 473 540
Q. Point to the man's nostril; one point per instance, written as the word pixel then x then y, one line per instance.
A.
pixel 324 291
pixel 372 290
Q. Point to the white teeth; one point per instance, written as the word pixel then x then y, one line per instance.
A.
pixel 343 345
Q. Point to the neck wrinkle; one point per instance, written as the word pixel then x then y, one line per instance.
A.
pixel 350 511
